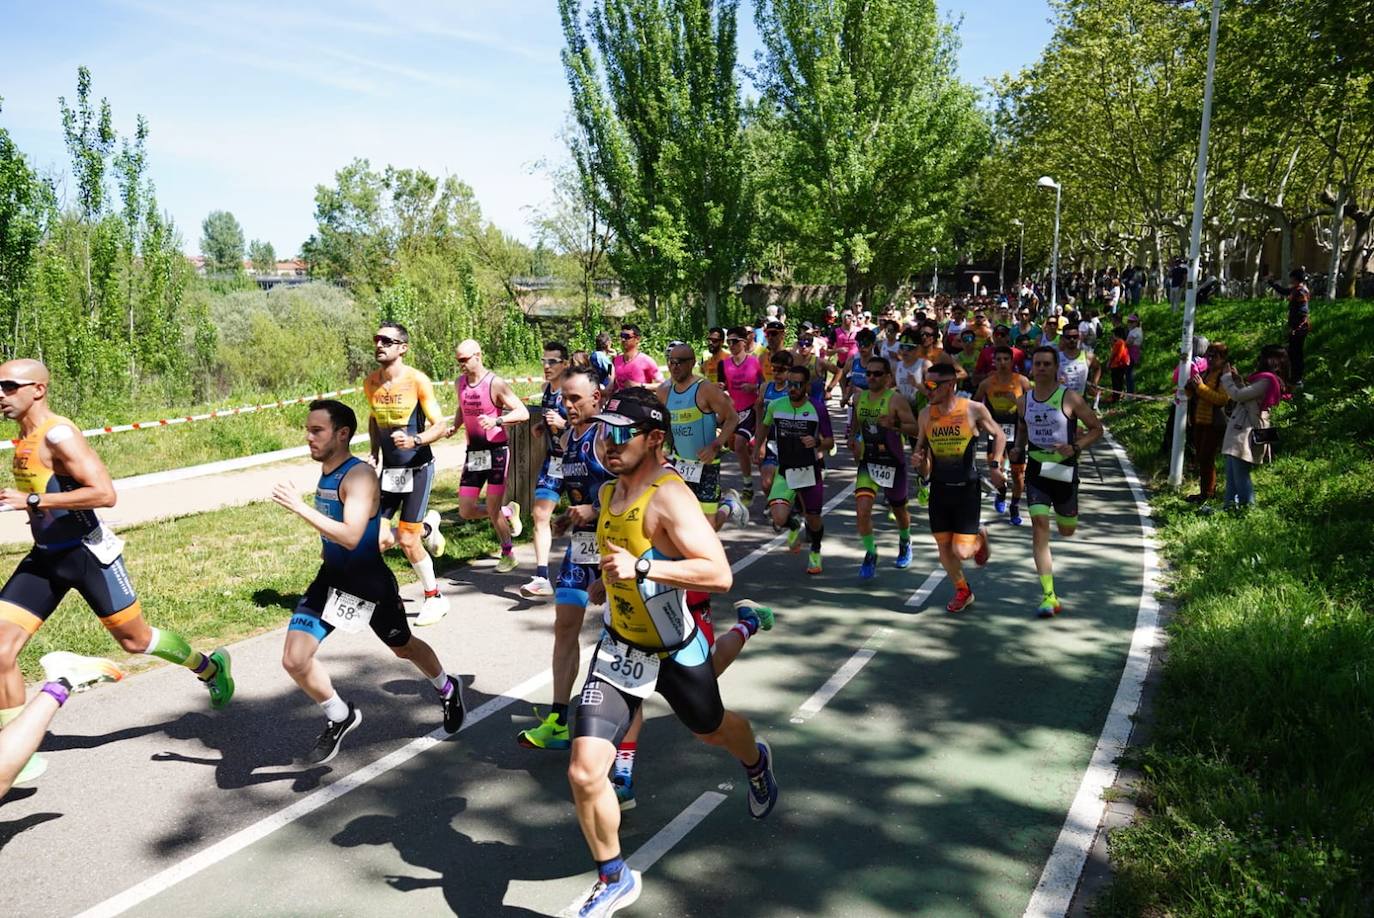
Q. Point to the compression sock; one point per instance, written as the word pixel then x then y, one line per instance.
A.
pixel 870 543
pixel 743 629
pixel 816 537
pixel 506 548
pixel 1047 584
pixel 172 647
pixel 425 571
pixel 904 535
pixel 336 709
pixel 541 570
pixel 440 681
pixel 609 871
pixel 625 759
pixel 560 711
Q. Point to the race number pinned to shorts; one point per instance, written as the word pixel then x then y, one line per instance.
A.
pixel 1010 431
pixel 479 460
pixel 347 612
pixel 104 544
pixel 689 470
pixel 1057 471
pixel 804 477
pixel 884 476
pixel 555 466
pixel 628 669
pixel 398 481
pixel 584 548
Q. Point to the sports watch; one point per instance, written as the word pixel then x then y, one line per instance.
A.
pixel 641 569
pixel 32 500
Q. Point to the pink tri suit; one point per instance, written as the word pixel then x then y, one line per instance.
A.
pixel 639 370
pixel 487 452
pixel 750 371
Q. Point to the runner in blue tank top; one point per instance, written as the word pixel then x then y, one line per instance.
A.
pixel 354 588
pixel 704 420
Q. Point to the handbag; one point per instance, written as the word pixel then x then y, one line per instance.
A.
pixel 1264 436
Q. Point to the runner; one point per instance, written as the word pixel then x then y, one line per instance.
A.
pixel 795 424
pixel 654 545
pixel 703 420
pixel 854 378
pixel 584 472
pixel 548 486
pixel 486 405
pixel 743 380
pixel 909 377
pixel 631 366
pixel 949 430
pixel 60 481
pixel 774 334
pixel 1078 369
pixel 354 588
pixel 774 389
pixel 1001 393
pixel 876 425
pixel 819 369
pixel 405 419
pixel 715 353
pixel 1050 415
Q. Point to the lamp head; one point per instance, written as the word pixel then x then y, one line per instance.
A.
pixel 1047 182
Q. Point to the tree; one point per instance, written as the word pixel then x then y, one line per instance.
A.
pixel 575 226
pixel 221 243
pixel 27 204
pixel 263 256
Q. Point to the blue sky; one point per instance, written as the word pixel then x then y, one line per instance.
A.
pixel 251 104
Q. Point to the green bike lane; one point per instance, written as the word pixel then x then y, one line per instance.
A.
pixel 935 780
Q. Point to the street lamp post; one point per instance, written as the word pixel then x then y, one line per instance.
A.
pixel 1001 269
pixel 1047 182
pixel 935 274
pixel 1185 364
pixel 1020 256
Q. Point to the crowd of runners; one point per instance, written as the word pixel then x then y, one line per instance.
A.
pixel 973 408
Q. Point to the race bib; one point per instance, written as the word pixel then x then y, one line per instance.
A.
pixel 347 612
pixel 398 481
pixel 804 477
pixel 584 548
pixel 479 460
pixel 104 544
pixel 1056 471
pixel 628 669
pixel 689 470
pixel 884 476
pixel 1010 431
pixel 555 466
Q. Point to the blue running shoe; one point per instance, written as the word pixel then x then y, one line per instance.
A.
pixel 609 898
pixel 1016 515
pixel 869 569
pixel 624 784
pixel 903 555
pixel 999 504
pixel 763 787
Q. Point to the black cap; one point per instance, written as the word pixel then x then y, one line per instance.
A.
pixel 774 323
pixel 625 412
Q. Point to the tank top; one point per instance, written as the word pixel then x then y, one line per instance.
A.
pixel 51 528
pixel 552 400
pixel 648 615
pixel 1002 398
pixel 772 391
pixel 952 439
pixel 909 379
pixel 406 403
pixel 881 445
pixel 338 559
pixel 738 375
pixel 858 373
pixel 788 423
pixel 583 473
pixel 1075 371
pixel 692 427
pixel 474 402
pixel 1047 426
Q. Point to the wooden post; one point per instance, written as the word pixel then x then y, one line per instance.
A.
pixel 522 466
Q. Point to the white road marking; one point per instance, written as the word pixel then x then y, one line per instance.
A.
pixel 813 705
pixel 926 588
pixel 662 842
pixel 773 544
pixel 1054 893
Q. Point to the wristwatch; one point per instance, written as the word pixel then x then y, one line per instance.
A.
pixel 32 500
pixel 641 569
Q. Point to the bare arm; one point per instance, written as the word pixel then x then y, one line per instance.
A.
pixel 906 421
pixel 728 418
pixel 504 396
pixel 1083 413
pixel 982 420
pixel 359 492
pixel 75 458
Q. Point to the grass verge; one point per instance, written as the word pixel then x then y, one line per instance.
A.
pixel 221 576
pixel 1258 792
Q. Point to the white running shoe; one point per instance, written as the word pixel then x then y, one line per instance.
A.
pixel 739 514
pixel 513 517
pixel 432 610
pixel 434 540
pixel 78 672
pixel 537 588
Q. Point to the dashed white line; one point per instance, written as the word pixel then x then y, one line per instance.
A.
pixel 926 588
pixel 817 702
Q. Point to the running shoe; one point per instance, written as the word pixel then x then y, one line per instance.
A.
pixel 963 598
pixel 550 734
pixel 1016 515
pixel 221 684
pixel 733 501
pixel 999 504
pixel 432 610
pixel 537 588
pixel 794 540
pixel 869 569
pixel 33 770
pixel 980 557
pixel 1049 607
pixel 513 517
pixel 451 700
pixel 746 494
pixel 813 563
pixel 763 787
pixel 327 746
pixel 76 672
pixel 624 784
pixel 609 898
pixel 761 616
pixel 923 494
pixel 434 540
pixel 903 559
pixel 506 563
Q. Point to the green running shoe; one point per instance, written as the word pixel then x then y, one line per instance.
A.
pixel 813 563
pixel 33 770
pixel 794 540
pixel 221 684
pixel 761 615
pixel 506 564
pixel 550 734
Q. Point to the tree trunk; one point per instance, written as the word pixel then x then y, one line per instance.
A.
pixel 1337 224
pixel 1354 257
pixel 710 296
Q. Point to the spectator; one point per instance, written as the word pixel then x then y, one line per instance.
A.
pixel 1178 280
pixel 1299 324
pixel 1207 419
pixel 1118 361
pixel 601 360
pixel 1135 344
pixel 1250 412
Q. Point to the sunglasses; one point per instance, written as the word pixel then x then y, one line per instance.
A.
pixel 877 372
pixel 626 336
pixel 715 340
pixel 619 436
pixel 11 386
pixel 795 384
pixel 733 341
pixel 1069 337
pixel 462 361
pixel 552 361
pixel 803 342
pixel 384 341
pixel 926 335
pixel 678 361
pixel 932 384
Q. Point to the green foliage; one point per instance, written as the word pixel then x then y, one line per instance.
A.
pixel 263 256
pixel 1258 797
pixel 221 243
